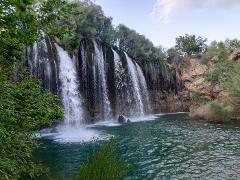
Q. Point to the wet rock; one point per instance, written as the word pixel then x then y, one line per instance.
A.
pixel 122 119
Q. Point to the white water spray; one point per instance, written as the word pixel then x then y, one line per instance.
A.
pixel 101 85
pixel 144 89
pixel 69 89
pixel 136 87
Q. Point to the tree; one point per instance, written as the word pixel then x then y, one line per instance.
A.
pixel 190 44
pixel 24 106
pixel 232 44
pixel 138 45
pixel 79 20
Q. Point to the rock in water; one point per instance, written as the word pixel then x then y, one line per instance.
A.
pixel 122 119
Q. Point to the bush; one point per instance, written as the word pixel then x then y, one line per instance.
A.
pixel 220 112
pixel 201 99
pixel 213 111
pixel 103 165
pixel 221 71
pixel 214 75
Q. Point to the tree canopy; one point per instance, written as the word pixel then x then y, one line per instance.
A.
pixel 24 106
pixel 191 44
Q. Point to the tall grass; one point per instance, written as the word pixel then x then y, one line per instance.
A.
pixel 103 165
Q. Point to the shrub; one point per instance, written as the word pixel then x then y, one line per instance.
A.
pixel 212 111
pixel 201 99
pixel 214 75
pixel 103 165
pixel 220 112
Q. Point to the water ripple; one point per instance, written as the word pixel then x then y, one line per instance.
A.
pixel 168 148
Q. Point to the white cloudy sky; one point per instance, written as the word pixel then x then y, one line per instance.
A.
pixel 163 20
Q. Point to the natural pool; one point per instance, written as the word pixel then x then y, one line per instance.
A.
pixel 170 147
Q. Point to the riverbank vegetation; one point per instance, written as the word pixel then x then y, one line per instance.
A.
pixel 104 164
pixel 217 97
pixel 225 73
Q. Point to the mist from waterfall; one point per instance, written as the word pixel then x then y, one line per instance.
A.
pixel 73 110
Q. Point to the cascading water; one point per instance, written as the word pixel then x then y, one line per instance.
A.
pixel 138 103
pixel 119 84
pixel 39 62
pixel 144 89
pixel 109 84
pixel 69 89
pixel 100 82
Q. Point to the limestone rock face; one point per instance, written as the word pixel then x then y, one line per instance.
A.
pixel 196 91
pixel 235 55
pixel 193 78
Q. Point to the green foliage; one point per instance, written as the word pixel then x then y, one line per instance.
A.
pixel 20 22
pixel 232 83
pixel 199 98
pixel 84 19
pixel 18 26
pixel 174 56
pixel 103 165
pixel 223 48
pixel 81 19
pixel 220 111
pixel 24 108
pixel 214 75
pixel 190 44
pixel 138 45
pixel 232 44
pixel 226 74
pixel 222 68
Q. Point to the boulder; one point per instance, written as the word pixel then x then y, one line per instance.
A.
pixel 122 119
pixel 235 55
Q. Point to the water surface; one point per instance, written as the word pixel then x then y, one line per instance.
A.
pixel 169 147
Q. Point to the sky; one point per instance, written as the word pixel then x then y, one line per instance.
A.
pixel 163 20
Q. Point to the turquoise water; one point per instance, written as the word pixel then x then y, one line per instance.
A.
pixel 169 147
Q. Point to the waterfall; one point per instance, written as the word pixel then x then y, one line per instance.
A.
pixel 100 82
pixel 144 89
pixel 69 89
pixel 119 84
pixel 107 83
pixel 39 63
pixel 138 103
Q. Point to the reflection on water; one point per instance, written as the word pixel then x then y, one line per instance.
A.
pixel 168 148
